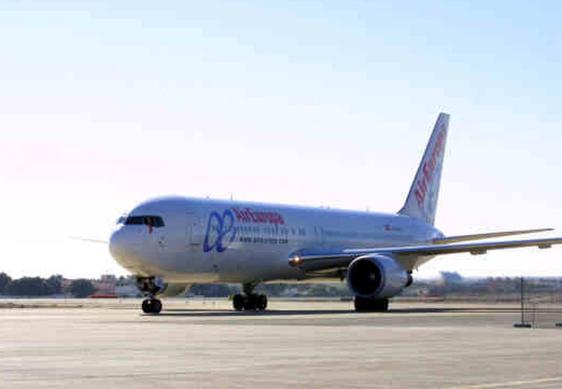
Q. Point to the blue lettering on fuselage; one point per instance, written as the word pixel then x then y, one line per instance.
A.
pixel 220 231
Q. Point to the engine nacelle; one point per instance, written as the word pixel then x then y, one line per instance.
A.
pixel 376 276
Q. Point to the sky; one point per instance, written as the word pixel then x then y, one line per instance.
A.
pixel 104 104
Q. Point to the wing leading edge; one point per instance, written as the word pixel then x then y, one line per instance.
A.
pixel 323 259
pixel 487 235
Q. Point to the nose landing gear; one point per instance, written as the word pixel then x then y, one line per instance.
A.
pixel 149 286
pixel 249 301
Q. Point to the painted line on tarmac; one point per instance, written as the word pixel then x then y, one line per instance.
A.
pixel 509 384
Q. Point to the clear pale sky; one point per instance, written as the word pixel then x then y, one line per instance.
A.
pixel 104 104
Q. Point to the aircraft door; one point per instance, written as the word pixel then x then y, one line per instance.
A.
pixel 194 235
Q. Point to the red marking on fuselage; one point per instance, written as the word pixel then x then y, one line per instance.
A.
pixel 428 169
pixel 249 216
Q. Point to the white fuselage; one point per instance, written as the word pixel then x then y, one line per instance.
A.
pixel 205 240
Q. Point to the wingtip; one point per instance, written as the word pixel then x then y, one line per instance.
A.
pixel 547 229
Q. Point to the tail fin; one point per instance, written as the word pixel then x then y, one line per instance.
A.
pixel 421 202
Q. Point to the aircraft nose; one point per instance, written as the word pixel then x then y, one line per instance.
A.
pixel 126 248
pixel 120 247
pixel 115 242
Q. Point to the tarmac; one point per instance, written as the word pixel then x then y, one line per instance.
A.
pixel 203 343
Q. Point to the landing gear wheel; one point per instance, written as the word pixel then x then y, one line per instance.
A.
pixel 252 302
pixel 249 301
pixel 153 306
pixel 146 306
pixel 156 306
pixel 238 302
pixel 261 302
pixel 363 304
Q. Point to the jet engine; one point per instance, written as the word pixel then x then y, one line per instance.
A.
pixel 377 276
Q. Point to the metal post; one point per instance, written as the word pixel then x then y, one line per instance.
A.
pixel 522 300
pixel 522 324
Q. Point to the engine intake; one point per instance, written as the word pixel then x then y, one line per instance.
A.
pixel 376 276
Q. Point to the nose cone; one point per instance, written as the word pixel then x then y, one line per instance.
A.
pixel 116 243
pixel 122 249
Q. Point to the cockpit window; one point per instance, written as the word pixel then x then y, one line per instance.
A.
pixel 147 220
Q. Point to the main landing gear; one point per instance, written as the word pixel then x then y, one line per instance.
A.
pixel 364 304
pixel 149 286
pixel 249 301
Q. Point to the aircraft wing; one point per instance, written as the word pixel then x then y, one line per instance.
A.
pixel 487 235
pixel 311 260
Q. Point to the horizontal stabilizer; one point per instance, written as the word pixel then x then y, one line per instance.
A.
pixel 487 235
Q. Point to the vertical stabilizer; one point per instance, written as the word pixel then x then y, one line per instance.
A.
pixel 421 202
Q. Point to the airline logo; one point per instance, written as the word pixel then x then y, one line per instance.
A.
pixel 221 230
pixel 423 184
pixel 248 216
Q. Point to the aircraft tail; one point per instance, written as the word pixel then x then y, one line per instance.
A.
pixel 421 202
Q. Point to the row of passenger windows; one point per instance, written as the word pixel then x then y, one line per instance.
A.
pixel 148 220
pixel 267 230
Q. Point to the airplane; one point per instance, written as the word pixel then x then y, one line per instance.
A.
pixel 169 243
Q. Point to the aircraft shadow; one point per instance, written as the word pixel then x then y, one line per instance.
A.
pixel 320 312
pixel 232 313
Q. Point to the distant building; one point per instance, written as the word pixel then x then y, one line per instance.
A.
pixel 127 290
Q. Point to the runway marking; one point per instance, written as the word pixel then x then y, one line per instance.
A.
pixel 510 384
